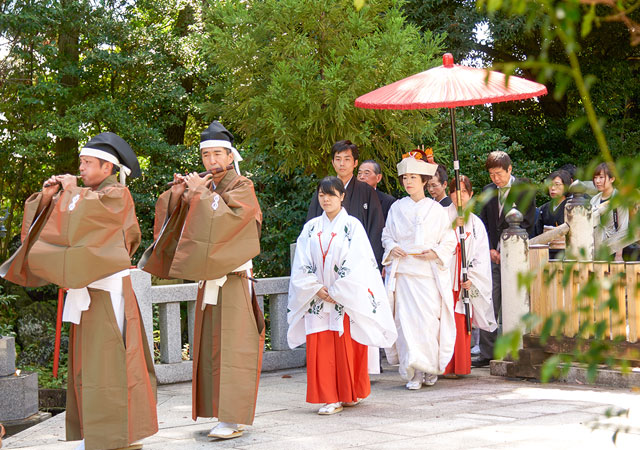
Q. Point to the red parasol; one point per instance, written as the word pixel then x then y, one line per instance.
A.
pixel 448 86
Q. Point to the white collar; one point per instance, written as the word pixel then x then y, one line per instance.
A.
pixel 331 223
pixel 511 180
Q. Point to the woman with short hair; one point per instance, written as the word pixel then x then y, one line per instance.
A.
pixel 552 213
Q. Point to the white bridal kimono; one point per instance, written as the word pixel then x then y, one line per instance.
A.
pixel 337 254
pixel 476 245
pixel 420 290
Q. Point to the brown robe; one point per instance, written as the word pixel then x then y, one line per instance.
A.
pixel 204 240
pixel 111 383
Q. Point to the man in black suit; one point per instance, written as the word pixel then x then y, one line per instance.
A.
pixel 370 172
pixel 437 186
pixel 360 199
pixel 493 215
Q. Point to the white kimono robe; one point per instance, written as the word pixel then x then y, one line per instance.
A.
pixel 337 254
pixel 420 290
pixel 476 245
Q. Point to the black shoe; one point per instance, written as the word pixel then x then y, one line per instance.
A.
pixel 480 362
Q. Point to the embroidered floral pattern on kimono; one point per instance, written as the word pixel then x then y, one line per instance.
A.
pixel 342 271
pixel 316 306
pixel 311 268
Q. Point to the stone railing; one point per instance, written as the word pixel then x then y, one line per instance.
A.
pixel 172 368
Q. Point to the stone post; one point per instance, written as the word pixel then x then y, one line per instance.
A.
pixel 7 356
pixel 514 259
pixel 141 282
pixel 18 392
pixel 577 214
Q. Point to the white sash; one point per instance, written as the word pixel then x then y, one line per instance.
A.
pixel 212 287
pixel 78 300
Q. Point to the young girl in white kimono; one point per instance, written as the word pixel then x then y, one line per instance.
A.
pixel 478 284
pixel 419 243
pixel 337 303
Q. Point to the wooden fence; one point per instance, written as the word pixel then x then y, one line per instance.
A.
pixel 557 286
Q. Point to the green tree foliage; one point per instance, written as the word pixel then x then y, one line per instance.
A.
pixel 549 47
pixel 477 137
pixel 456 19
pixel 290 72
pixel 284 200
pixel 72 69
pixel 603 45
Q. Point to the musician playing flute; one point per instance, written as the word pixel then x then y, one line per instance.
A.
pixel 208 229
pixel 82 238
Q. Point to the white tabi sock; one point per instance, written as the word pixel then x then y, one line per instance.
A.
pixel 418 376
pixel 231 427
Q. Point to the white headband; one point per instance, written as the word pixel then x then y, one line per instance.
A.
pixel 223 144
pixel 106 156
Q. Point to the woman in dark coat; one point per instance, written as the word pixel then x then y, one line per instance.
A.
pixel 552 212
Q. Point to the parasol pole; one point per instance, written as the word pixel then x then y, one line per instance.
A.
pixel 456 170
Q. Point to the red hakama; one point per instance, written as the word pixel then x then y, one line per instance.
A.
pixel 460 363
pixel 336 367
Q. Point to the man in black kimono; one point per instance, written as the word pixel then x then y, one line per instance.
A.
pixel 437 187
pixel 370 172
pixel 360 200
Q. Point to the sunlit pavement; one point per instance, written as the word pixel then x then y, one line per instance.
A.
pixel 475 412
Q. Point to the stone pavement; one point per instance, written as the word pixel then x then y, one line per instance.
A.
pixel 477 412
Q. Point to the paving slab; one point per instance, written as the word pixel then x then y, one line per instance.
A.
pixel 479 412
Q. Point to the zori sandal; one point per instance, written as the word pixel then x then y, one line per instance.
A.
pixel 330 408
pixel 225 431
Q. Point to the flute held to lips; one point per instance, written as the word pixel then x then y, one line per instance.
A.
pixel 57 182
pixel 203 174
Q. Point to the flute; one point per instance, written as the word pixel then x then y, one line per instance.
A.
pixel 205 173
pixel 57 182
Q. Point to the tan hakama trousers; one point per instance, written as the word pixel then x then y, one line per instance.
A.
pixel 111 390
pixel 227 358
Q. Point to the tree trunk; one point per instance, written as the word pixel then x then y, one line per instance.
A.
pixel 174 134
pixel 17 185
pixel 66 148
